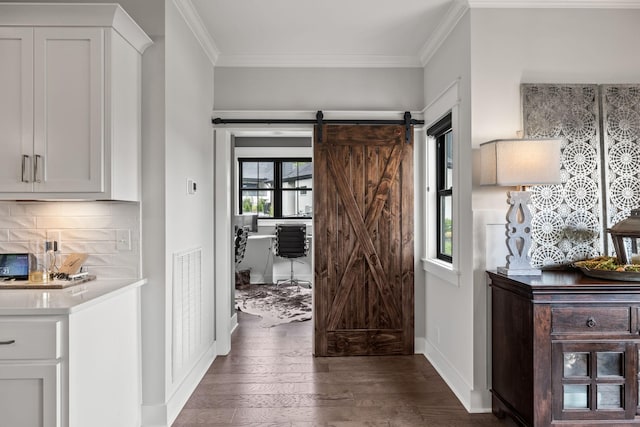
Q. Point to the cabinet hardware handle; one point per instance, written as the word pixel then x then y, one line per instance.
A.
pixel 7 342
pixel 591 322
pixel 36 174
pixel 24 167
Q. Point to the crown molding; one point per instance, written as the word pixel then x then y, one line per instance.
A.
pixel 319 61
pixel 557 4
pixel 194 22
pixel 447 24
pixel 72 15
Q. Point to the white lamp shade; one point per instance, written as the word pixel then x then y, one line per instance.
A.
pixel 512 162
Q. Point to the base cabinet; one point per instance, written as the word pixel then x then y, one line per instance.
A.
pixel 565 350
pixel 29 394
pixel 80 369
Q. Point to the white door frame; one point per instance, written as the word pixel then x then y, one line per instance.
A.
pixel 224 208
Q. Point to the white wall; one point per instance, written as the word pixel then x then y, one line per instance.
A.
pixel 189 155
pixel 450 297
pixel 504 48
pixel 393 89
pixel 514 46
pixel 177 144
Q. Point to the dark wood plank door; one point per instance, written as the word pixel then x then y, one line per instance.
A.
pixel 363 241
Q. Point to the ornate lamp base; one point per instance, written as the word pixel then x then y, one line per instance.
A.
pixel 519 271
pixel 519 236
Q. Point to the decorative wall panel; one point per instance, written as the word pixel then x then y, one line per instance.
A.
pixel 621 124
pixel 567 217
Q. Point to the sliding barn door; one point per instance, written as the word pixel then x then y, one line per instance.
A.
pixel 363 240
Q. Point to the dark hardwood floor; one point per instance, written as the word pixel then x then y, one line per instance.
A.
pixel 271 379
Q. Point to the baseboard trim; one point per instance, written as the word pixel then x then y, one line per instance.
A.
pixel 474 401
pixel 420 345
pixel 234 323
pixel 165 415
pixel 189 384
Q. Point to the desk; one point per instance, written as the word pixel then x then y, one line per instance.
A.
pixel 264 267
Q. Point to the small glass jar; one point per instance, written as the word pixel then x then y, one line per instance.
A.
pixel 38 270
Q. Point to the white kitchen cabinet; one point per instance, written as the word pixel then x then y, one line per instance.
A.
pixel 16 106
pixel 71 357
pixel 71 122
pixel 30 368
pixel 29 393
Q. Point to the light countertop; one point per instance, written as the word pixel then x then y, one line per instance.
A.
pixel 15 302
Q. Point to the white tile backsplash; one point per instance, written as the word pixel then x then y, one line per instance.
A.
pixel 88 234
pixel 14 222
pixel 88 227
pixel 26 234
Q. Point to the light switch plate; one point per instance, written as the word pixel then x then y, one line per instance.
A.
pixel 123 240
pixel 191 186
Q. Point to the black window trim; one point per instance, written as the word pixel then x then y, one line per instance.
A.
pixel 277 190
pixel 439 131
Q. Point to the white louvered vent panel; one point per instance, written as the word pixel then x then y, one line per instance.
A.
pixel 187 309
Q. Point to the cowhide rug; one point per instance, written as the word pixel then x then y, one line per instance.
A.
pixel 275 306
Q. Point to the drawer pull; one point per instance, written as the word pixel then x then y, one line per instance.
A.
pixel 7 342
pixel 591 322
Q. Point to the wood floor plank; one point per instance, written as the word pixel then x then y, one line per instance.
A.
pixel 271 379
pixel 204 400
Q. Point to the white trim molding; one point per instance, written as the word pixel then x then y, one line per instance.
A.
pixel 555 4
pixel 447 24
pixel 319 61
pixel 448 100
pixel 73 15
pixel 194 22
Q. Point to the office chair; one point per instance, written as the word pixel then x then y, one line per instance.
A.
pixel 240 244
pixel 291 243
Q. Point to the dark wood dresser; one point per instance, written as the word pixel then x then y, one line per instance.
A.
pixel 565 349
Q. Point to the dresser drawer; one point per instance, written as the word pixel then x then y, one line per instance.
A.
pixel 590 319
pixel 30 339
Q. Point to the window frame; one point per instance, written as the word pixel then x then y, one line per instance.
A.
pixel 278 189
pixel 442 133
pixel 447 274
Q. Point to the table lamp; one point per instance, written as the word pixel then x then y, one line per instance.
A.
pixel 519 162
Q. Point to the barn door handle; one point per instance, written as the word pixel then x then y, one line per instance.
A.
pixel 7 342
pixel 591 322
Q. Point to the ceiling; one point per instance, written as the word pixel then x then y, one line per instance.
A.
pixel 338 33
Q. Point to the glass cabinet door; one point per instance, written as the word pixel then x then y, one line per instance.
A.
pixel 595 380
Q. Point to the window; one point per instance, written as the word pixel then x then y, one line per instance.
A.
pixel 442 133
pixel 276 188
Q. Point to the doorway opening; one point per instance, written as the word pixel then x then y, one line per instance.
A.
pixel 271 184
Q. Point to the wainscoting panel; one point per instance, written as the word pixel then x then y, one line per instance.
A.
pixel 187 310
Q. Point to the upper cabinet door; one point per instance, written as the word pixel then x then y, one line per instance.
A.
pixel 68 145
pixel 16 108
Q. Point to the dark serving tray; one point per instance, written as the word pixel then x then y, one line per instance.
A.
pixel 624 276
